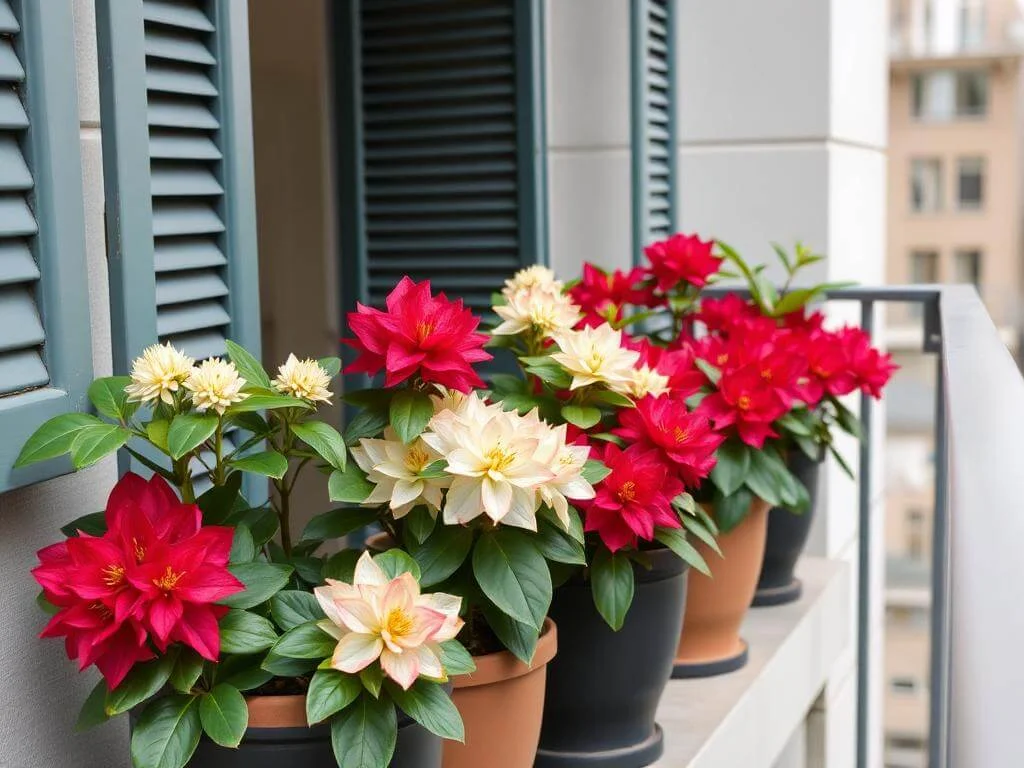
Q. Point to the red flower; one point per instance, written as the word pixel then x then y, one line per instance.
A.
pixel 419 334
pixel 871 368
pixel 724 314
pixel 682 259
pixel 677 363
pixel 686 440
pixel 745 401
pixel 633 499
pixel 602 295
pixel 116 591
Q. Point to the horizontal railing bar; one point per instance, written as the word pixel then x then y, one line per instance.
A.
pixel 902 294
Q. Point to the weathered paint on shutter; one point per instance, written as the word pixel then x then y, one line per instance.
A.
pixel 441 144
pixel 45 350
pixel 653 122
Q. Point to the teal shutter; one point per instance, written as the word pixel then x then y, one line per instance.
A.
pixel 45 348
pixel 440 130
pixel 653 122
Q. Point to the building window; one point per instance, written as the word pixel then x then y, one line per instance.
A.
pixel 971 31
pixel 967 266
pixel 915 534
pixel 970 183
pixel 925 184
pixel 903 684
pixel 924 266
pixel 946 94
pixel 971 93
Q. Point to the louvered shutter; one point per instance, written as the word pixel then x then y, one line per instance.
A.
pixel 654 161
pixel 439 103
pixel 45 351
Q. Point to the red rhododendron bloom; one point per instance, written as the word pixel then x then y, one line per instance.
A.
pixel 677 363
pixel 682 259
pixel 602 295
pixel 153 575
pixel 871 368
pixel 633 499
pixel 686 440
pixel 722 315
pixel 419 334
pixel 745 401
pixel 828 370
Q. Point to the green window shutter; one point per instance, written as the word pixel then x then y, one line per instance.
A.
pixel 45 348
pixel 440 130
pixel 178 160
pixel 653 122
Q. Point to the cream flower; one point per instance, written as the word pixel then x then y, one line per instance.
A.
pixel 377 618
pixel 215 384
pixel 158 373
pixel 531 277
pixel 490 455
pixel 542 309
pixel 305 379
pixel 447 399
pixel 566 463
pixel 596 356
pixel 395 470
pixel 645 381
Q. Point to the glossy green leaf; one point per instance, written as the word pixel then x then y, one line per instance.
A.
pixel 698 529
pixel 94 524
pixel 363 734
pixel 188 431
pixel 581 416
pixel 429 705
pixel 108 397
pixel 266 463
pixel 142 681
pixel 54 437
pixel 442 553
pixel 455 659
pixel 245 632
pixel 243 548
pixel 292 607
pixel 224 715
pixel 594 471
pixel 395 562
pixel 325 440
pixel 731 467
pixel 167 732
pixel 336 523
pixel 409 413
pixel 262 581
pixel 513 575
pixel 611 582
pixel 341 565
pixel 94 443
pixel 306 641
pixel 187 669
pixel 94 711
pixel 350 486
pixel 519 638
pixel 732 510
pixel 329 692
pixel 557 545
pixel 675 539
pixel 249 368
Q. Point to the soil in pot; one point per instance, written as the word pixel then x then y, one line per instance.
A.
pixel 278 737
pixel 710 642
pixel 787 537
pixel 501 704
pixel 604 686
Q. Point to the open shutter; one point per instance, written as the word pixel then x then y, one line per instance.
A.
pixel 45 349
pixel 653 122
pixel 177 142
pixel 440 130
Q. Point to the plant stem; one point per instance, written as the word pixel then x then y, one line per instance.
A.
pixel 218 449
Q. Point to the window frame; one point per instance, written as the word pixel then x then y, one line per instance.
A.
pixel 920 162
pixel 982 165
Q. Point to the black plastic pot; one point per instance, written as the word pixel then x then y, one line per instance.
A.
pixel 787 536
pixel 604 686
pixel 311 748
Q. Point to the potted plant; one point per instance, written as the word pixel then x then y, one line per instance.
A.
pixel 204 628
pixel 476 494
pixel 620 613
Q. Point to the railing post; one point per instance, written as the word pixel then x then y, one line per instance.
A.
pixel 867 322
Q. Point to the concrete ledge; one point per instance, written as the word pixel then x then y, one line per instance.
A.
pixel 745 719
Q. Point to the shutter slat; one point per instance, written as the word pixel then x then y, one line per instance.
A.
pixel 176 14
pixel 164 44
pixel 174 145
pixel 426 226
pixel 499 90
pixel 16 263
pixel 436 75
pixel 456 242
pixel 16 218
pixel 184 218
pixel 178 288
pixel 173 78
pixel 412 59
pixel 197 316
pixel 460 149
pixel 444 189
pixel 171 112
pixel 420 206
pixel 480 168
pixel 416 134
pixel 10 67
pixel 14 173
pixel 172 255
pixel 20 326
pixel 177 180
pixel 393 114
pixel 12 111
pixel 496 263
pixel 21 370
pixel 200 345
pixel 374 22
pixel 8 23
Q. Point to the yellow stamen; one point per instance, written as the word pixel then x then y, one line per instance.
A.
pixel 140 551
pixel 417 459
pixel 113 575
pixel 499 459
pixel 398 623
pixel 743 402
pixel 627 491
pixel 681 435
pixel 169 580
pixel 423 330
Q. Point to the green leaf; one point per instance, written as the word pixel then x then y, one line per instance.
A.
pixel 372 678
pixel 94 443
pixel 732 510
pixel 848 422
pixel 675 539
pixel 143 681
pixel 243 672
pixel 713 373
pixel 188 431
pixel 363 735
pixel 337 523
pixel 842 462
pixel 285 666
pixel 766 477
pixel 330 691
pixel 791 423
pixel 292 607
pixel 262 581
pixel 156 431
pixel 367 423
pixel 395 562
pixel 350 486
pixel 220 501
pixel 186 672
pixel 108 397
pixel 325 440
pixel 684 502
pixel 559 546
pixel 306 641
pixel 520 403
pixel 611 582
pixel 331 365
pixel 519 638
pixel 581 416
pixel 310 569
pixel 419 523
pixel 795 299
pixel 267 401
pixel 245 632
pixel 374 399
pixel 731 467
pixel 251 422
pixel 266 463
pixel 595 471
pixel 341 565
pixel 612 398
pixel 248 366
pixel 549 371
pixel 94 710
pixel 166 733
pixel 507 384
pixel 701 531
pixel 455 659
pixel 54 437
pixel 442 553
pixel 513 574
pixel 261 521
pixel 575 529
pixel 429 705
pixel 409 413
pixel 94 524
pixel 243 548
pixel 224 715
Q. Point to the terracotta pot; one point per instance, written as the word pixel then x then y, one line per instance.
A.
pixel 501 704
pixel 710 642
pixel 278 737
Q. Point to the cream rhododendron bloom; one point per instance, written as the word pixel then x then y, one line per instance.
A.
pixel 565 461
pixel 531 277
pixel 596 356
pixel 388 619
pixel 645 381
pixel 215 384
pixel 447 399
pixel 394 468
pixel 158 373
pixel 543 310
pixel 305 379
